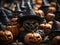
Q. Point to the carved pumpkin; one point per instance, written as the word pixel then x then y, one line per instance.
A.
pixel 39 1
pixel 6 4
pixel 50 22
pixel 42 26
pixel 50 16
pixel 39 12
pixel 6 36
pixel 58 23
pixel 13 29
pixel 32 38
pixel 51 9
pixel 37 6
pixel 53 4
pixel 56 38
pixel 47 28
pixel 14 21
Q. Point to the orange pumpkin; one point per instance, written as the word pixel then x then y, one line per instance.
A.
pixel 14 30
pixel 53 4
pixel 50 22
pixel 6 36
pixel 58 23
pixel 51 9
pixel 56 39
pixel 14 21
pixel 39 1
pixel 42 26
pixel 50 16
pixel 32 38
pixel 47 28
pixel 39 12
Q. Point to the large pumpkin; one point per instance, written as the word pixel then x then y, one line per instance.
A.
pixel 32 38
pixel 6 36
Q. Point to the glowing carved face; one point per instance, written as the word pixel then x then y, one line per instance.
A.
pixel 32 38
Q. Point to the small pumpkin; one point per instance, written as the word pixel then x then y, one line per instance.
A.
pixel 51 9
pixel 32 38
pixel 14 21
pixel 42 26
pixel 6 36
pixel 50 16
pixel 13 29
pixel 39 12
pixel 56 39
pixel 47 28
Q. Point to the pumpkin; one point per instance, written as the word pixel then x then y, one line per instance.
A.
pixel 50 22
pixel 6 36
pixel 32 38
pixel 47 28
pixel 39 12
pixel 42 26
pixel 13 29
pixel 50 16
pixel 53 4
pixel 14 21
pixel 58 23
pixel 6 4
pixel 39 2
pixel 51 9
pixel 56 38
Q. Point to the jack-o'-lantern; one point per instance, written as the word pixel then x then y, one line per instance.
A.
pixel 51 9
pixel 6 36
pixel 53 4
pixel 37 6
pixel 42 26
pixel 56 39
pixel 14 21
pixel 39 1
pixel 47 28
pixel 13 29
pixel 58 23
pixel 6 4
pixel 50 22
pixel 39 12
pixel 50 16
pixel 32 38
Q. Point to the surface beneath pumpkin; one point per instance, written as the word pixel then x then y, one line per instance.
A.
pixel 20 43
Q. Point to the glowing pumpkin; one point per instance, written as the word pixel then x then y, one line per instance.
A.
pixel 56 38
pixel 32 38
pixel 13 29
pixel 51 9
pixel 6 36
pixel 14 21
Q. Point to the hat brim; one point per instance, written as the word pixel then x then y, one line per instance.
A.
pixel 35 17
